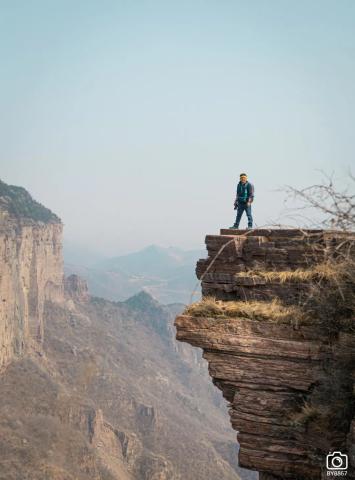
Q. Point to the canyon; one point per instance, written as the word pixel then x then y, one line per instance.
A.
pixel 91 388
pixel 97 389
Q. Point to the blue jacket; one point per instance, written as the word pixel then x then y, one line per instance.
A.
pixel 245 192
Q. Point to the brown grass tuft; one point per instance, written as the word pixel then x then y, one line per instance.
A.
pixel 306 415
pixel 323 271
pixel 255 310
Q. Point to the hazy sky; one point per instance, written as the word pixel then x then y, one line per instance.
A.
pixel 133 119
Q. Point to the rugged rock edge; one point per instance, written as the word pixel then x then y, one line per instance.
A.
pixel 283 382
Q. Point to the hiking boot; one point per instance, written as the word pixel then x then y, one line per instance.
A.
pixel 234 226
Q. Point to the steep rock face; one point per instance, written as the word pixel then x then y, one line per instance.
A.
pixel 289 386
pixel 31 272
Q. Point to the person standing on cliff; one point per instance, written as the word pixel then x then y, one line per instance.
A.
pixel 243 200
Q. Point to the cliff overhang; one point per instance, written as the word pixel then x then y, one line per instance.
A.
pixel 283 359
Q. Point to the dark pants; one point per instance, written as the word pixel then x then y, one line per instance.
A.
pixel 244 207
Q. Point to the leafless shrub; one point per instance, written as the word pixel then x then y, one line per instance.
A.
pixel 336 207
pixel 331 297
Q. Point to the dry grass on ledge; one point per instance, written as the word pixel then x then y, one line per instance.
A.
pixel 254 310
pixel 324 271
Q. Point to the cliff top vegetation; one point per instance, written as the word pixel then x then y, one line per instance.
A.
pixel 19 203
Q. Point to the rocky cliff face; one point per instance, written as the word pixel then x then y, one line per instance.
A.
pixel 287 375
pixel 31 272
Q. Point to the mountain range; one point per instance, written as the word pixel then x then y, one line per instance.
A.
pixel 168 274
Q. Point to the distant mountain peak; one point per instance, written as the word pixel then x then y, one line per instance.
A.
pixel 159 248
pixel 152 248
pixel 143 300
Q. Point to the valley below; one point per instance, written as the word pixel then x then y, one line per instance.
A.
pixel 92 388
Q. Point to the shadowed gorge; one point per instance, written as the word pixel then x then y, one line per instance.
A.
pixel 276 327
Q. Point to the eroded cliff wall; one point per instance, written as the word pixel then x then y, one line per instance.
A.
pixel 287 375
pixel 31 272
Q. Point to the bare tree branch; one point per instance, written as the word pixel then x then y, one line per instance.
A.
pixel 336 207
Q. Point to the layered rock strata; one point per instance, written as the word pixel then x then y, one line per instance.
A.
pixel 234 253
pixel 289 386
